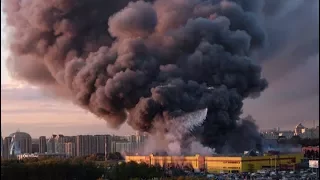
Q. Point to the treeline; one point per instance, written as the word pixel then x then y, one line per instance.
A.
pixel 298 140
pixel 101 157
pixel 50 169
pixel 80 169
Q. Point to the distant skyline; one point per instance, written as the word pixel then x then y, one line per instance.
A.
pixel 292 96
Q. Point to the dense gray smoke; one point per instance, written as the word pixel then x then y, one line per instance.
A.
pixel 143 62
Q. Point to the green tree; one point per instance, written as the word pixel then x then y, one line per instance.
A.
pixel 49 169
pixel 114 156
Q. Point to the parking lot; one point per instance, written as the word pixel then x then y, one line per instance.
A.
pixel 265 175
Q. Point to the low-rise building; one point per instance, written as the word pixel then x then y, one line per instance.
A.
pixel 270 134
pixel 36 155
pixel 286 134
pixel 215 164
pixel 311 133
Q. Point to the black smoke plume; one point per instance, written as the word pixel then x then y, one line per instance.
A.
pixel 141 61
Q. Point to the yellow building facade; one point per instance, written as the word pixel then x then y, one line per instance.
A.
pixel 196 162
pixel 216 164
pixel 283 161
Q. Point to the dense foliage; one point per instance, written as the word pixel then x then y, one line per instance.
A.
pixel 115 156
pixel 83 169
pixel 49 169
pixel 101 157
pixel 74 169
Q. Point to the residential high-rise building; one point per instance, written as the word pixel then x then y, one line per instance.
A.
pixel 42 144
pixel 132 138
pixel 55 144
pixel 21 143
pixel 51 144
pixel 123 147
pixel 6 147
pixel 107 144
pixel 73 139
pixel 94 145
pixel 100 143
pixel 35 146
pixel 97 144
pixel 119 138
pixel 70 139
pixel 70 148
pixel 84 145
pixel 60 140
pixel 141 139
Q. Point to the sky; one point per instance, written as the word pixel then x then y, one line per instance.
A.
pixel 292 96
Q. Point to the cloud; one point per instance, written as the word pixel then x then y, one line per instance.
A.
pixel 12 92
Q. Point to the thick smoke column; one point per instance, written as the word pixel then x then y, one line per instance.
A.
pixel 143 62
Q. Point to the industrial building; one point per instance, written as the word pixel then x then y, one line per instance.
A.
pixel 218 164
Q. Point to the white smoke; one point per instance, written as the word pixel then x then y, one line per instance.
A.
pixel 198 148
pixel 179 127
pixel 187 122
